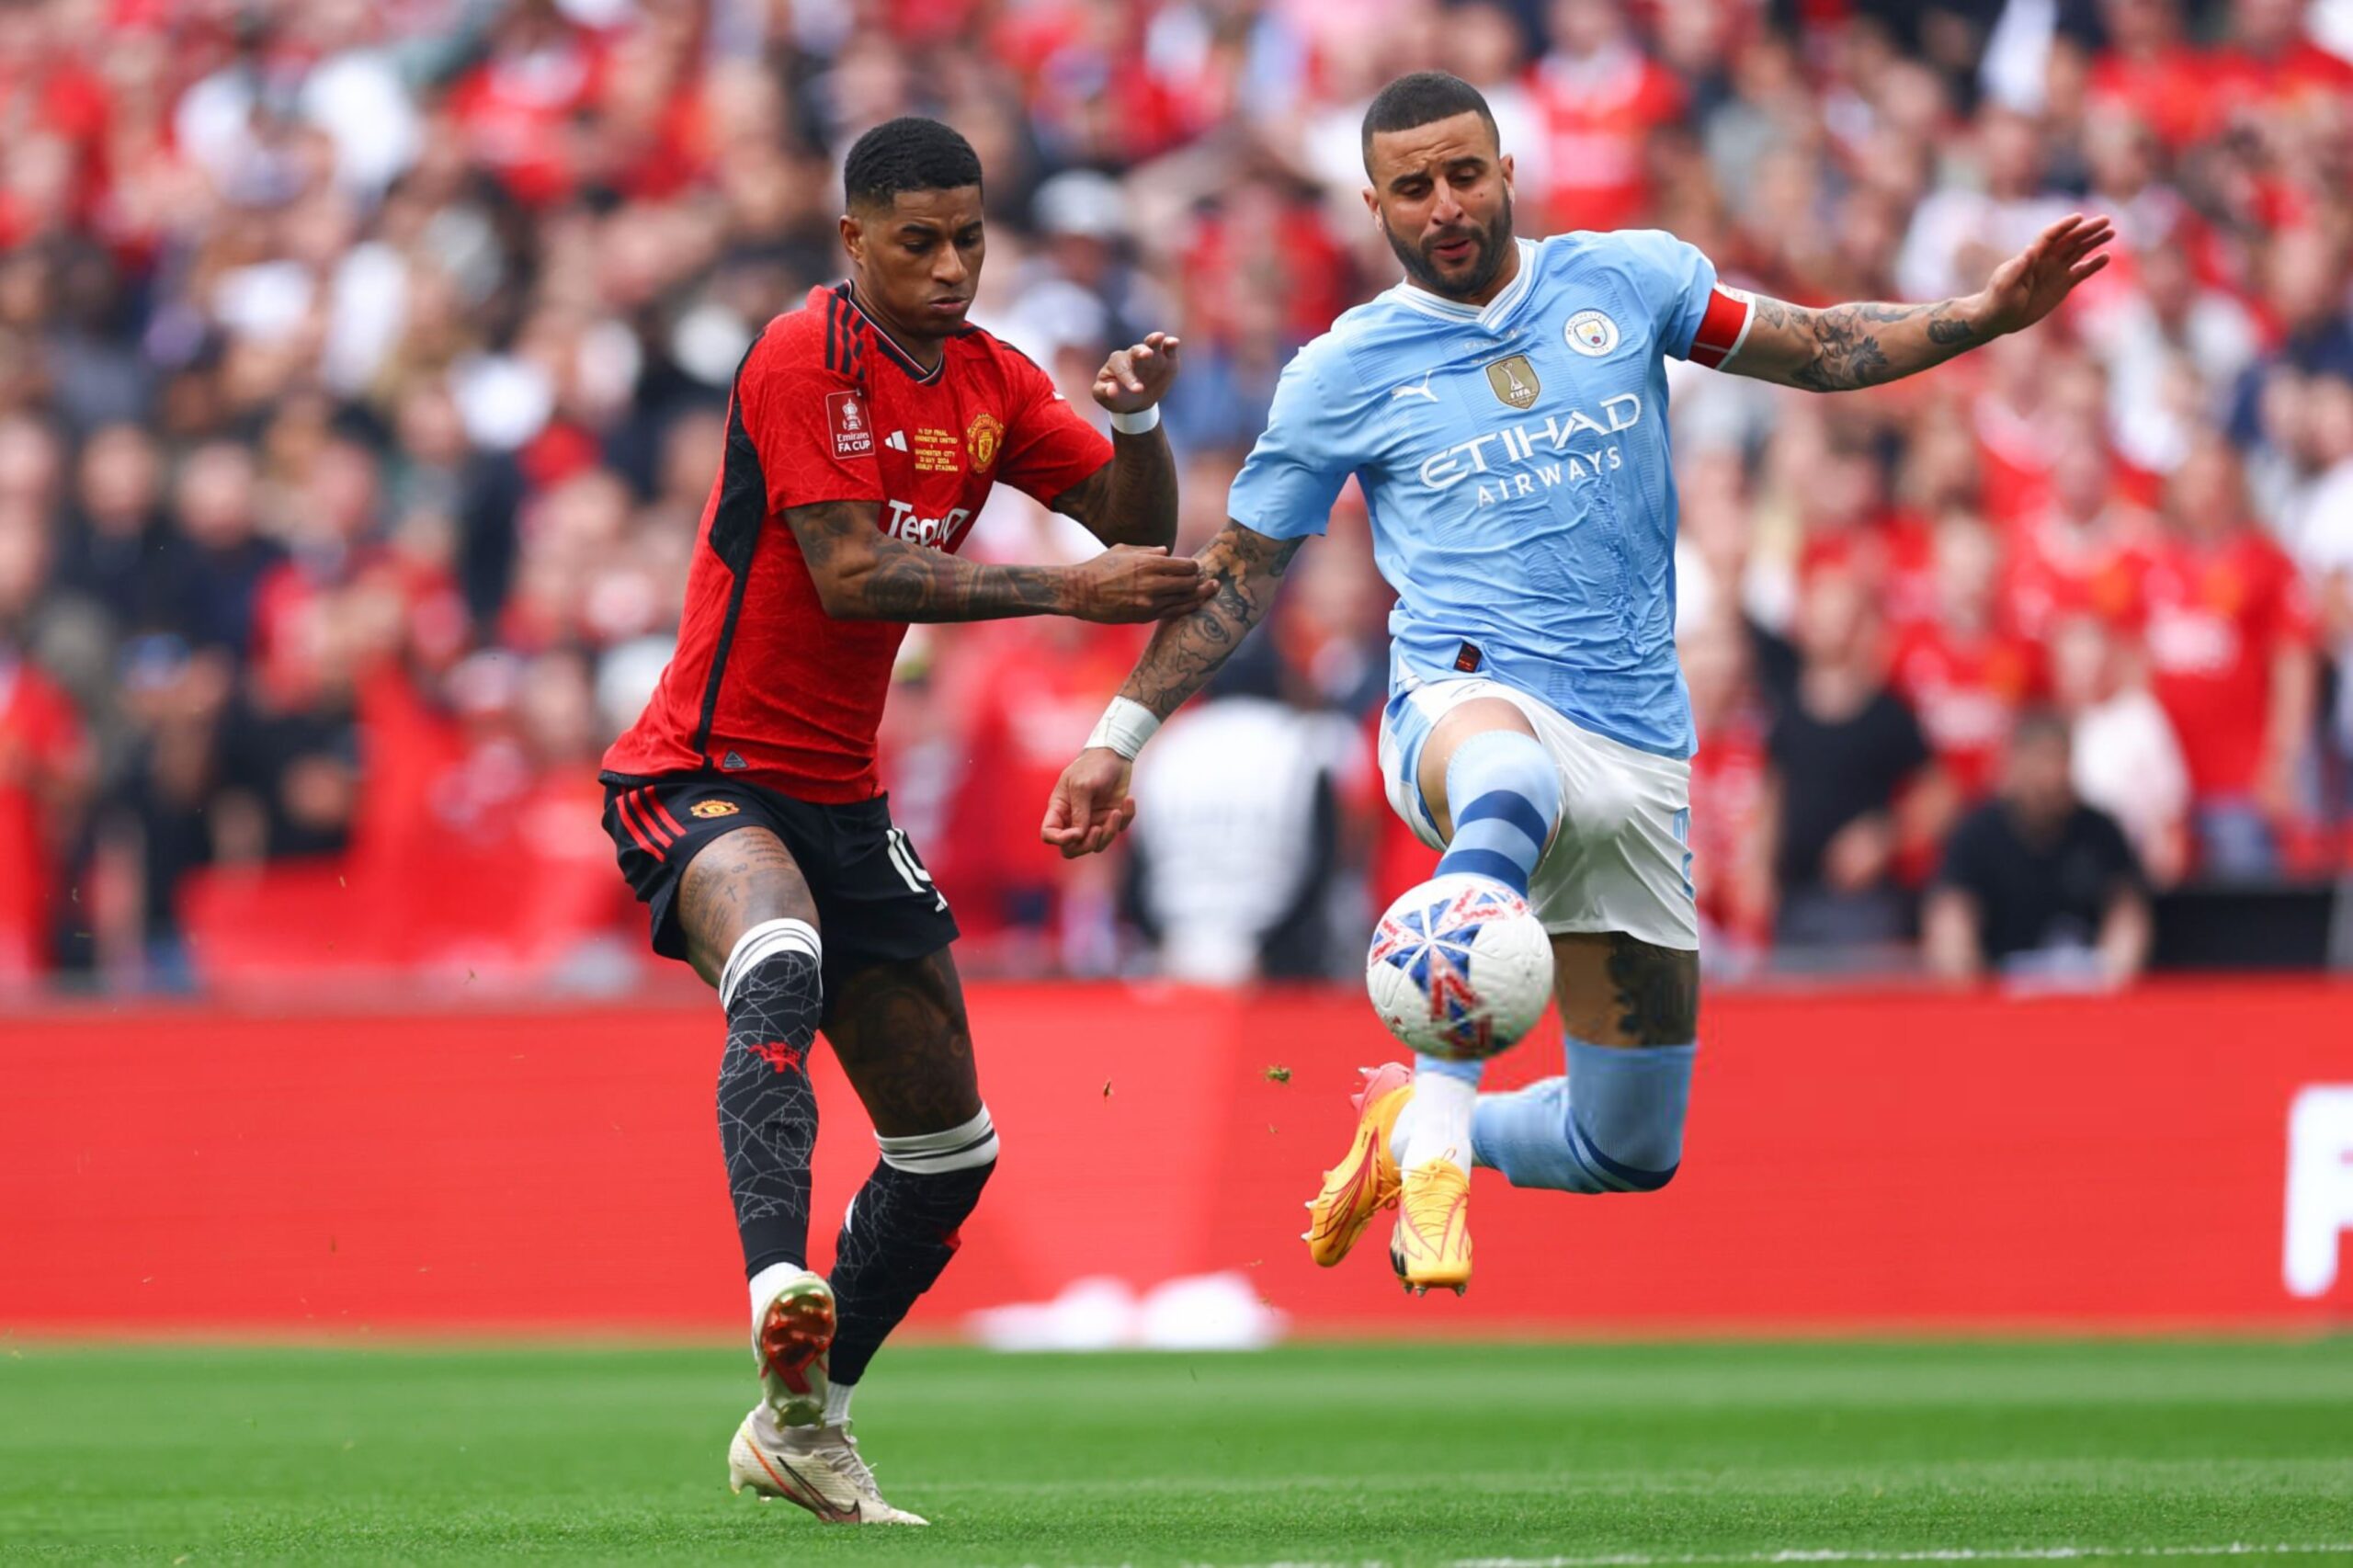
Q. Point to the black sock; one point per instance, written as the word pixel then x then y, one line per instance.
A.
pixel 900 1231
pixel 767 1112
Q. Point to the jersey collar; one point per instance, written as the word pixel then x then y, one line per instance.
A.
pixel 891 349
pixel 1493 315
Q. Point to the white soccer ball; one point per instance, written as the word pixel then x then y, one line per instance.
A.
pixel 1460 968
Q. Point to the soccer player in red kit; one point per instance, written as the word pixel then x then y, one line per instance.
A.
pixel 864 432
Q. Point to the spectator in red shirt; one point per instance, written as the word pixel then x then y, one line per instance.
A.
pixel 2273 65
pixel 2148 68
pixel 45 766
pixel 2073 554
pixel 1965 677
pixel 517 108
pixel 1600 99
pixel 2230 637
pixel 1024 694
pixel 1729 772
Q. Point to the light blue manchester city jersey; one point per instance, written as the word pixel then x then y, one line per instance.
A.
pixel 1515 461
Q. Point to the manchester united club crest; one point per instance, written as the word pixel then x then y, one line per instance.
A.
pixel 983 438
pixel 1591 333
pixel 714 809
pixel 1513 380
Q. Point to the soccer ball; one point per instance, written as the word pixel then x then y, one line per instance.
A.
pixel 1460 968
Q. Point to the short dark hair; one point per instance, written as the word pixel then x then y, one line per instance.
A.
pixel 907 153
pixel 1418 98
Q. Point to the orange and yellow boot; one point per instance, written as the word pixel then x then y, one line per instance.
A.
pixel 1431 1245
pixel 1365 1181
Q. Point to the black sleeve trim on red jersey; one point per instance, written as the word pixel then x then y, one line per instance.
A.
pixel 735 525
pixel 845 342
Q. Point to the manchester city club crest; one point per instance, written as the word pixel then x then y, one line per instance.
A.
pixel 1513 380
pixel 1591 333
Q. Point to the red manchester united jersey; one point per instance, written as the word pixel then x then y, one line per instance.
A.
pixel 765 685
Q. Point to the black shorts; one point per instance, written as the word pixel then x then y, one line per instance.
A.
pixel 875 901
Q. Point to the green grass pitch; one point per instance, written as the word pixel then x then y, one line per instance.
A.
pixel 1624 1455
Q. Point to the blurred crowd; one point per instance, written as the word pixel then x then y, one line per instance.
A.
pixel 362 370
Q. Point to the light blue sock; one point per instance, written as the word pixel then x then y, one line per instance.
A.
pixel 1614 1124
pixel 1505 796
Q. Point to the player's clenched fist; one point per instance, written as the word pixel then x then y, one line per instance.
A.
pixel 1131 581
pixel 1133 380
pixel 1090 805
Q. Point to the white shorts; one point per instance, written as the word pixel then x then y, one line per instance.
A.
pixel 1620 861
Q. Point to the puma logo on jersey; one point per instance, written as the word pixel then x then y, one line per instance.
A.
pixel 1422 391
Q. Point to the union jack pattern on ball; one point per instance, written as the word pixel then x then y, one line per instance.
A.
pixel 1440 987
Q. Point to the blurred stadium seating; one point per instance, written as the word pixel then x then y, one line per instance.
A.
pixel 361 368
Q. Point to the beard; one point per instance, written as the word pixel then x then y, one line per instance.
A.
pixel 1494 241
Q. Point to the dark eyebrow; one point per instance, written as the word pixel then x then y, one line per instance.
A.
pixel 1470 160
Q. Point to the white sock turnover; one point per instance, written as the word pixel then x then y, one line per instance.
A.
pixel 1436 1123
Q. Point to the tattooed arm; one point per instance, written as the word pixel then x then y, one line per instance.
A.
pixel 1846 347
pixel 863 573
pixel 1244 568
pixel 1132 498
pixel 1090 805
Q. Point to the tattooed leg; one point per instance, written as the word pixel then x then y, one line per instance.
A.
pixel 737 881
pixel 1614 1122
pixel 1613 989
pixel 751 930
pixel 899 1032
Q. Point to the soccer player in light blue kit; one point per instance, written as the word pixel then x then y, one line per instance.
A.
pixel 1504 410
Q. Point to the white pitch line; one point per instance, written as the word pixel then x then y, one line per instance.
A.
pixel 1926 1554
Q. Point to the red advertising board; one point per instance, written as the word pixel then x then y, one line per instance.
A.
pixel 2179 1158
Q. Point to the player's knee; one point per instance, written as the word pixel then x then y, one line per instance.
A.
pixel 1504 766
pixel 1626 1111
pixel 785 956
pixel 955 1164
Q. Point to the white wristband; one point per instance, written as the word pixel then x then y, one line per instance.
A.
pixel 1124 727
pixel 1137 424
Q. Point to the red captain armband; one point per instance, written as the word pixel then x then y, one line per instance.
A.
pixel 1723 329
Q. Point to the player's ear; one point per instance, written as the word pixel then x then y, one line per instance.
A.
pixel 1372 205
pixel 854 238
pixel 1505 163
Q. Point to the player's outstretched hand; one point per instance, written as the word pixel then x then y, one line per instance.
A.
pixel 2030 285
pixel 1131 581
pixel 1133 378
pixel 1090 806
